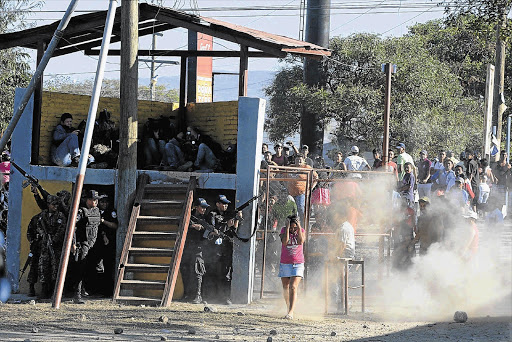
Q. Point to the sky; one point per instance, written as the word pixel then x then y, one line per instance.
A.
pixel 388 18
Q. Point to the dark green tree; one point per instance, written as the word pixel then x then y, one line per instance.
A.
pixel 14 67
pixel 429 109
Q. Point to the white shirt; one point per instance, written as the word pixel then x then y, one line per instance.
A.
pixel 356 163
pixel 346 235
pixel 438 166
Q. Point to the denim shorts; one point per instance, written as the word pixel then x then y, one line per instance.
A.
pixel 291 270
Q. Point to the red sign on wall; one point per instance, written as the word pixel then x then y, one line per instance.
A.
pixel 204 69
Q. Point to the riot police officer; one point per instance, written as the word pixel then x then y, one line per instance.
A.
pixel 87 222
pixel 193 265
pixel 102 256
pixel 227 224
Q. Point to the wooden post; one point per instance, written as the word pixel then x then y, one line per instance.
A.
pixel 36 114
pixel 127 162
pixel 244 66
pixel 192 68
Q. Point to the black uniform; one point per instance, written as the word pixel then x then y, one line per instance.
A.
pixel 193 264
pixel 220 256
pixel 86 232
pixel 101 259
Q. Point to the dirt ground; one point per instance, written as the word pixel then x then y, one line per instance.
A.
pixel 96 321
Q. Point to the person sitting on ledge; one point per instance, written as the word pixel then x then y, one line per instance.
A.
pixel 65 149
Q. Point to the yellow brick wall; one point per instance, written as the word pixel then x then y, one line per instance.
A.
pixel 217 119
pixel 54 104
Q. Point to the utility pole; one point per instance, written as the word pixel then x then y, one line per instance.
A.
pixel 152 81
pixel 317 32
pixel 388 69
pixel 127 162
pixel 499 82
pixel 488 117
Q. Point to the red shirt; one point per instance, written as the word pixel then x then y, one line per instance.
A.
pixel 292 253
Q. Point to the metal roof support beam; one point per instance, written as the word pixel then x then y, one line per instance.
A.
pixel 186 53
pixel 114 39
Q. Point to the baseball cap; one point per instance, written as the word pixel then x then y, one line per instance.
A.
pixel 305 147
pixel 93 194
pixel 459 179
pixel 401 145
pixel 201 202
pixel 223 199
pixel 425 199
pixel 354 149
pixel 424 152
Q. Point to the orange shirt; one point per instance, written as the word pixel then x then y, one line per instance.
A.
pixel 298 187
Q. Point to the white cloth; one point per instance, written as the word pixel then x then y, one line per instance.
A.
pixel 356 163
pixel 346 235
pixel 438 166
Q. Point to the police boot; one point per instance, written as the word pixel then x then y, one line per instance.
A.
pixel 198 299
pixel 46 291
pixel 78 294
pixel 32 290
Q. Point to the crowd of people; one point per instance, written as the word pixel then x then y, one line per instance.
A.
pixel 436 200
pixel 91 265
pixel 163 146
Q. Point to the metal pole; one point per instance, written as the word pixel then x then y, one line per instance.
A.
pixel 84 156
pixel 387 111
pixel 267 207
pixel 152 81
pixel 508 157
pixel 39 73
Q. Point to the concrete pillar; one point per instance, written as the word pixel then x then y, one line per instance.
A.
pixel 20 153
pixel 251 116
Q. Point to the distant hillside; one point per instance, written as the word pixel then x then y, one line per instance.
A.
pixel 226 86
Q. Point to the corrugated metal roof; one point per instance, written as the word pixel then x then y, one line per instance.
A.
pixel 85 32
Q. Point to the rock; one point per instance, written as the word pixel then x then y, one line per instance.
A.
pixel 192 331
pixel 32 302
pixel 216 337
pixel 142 306
pixel 163 338
pixel 27 340
pixel 210 308
pixel 273 332
pixel 333 333
pixel 236 331
pixel 240 313
pixel 35 330
pixel 365 326
pixel 269 339
pixel 82 317
pixel 431 325
pixel 163 319
pixel 118 331
pixel 460 317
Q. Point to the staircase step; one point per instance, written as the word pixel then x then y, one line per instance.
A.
pixel 146 235
pixel 139 300
pixel 158 188
pixel 143 284
pixel 150 268
pixel 159 219
pixel 146 251
pixel 148 202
